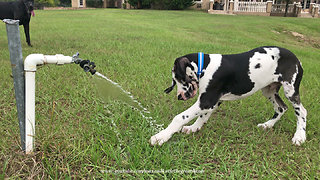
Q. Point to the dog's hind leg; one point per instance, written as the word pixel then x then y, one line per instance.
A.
pixel 271 92
pixel 291 91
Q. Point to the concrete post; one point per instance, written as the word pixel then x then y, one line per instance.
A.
pixel 74 3
pixel 128 6
pixel 269 7
pixel 231 7
pixel 211 5
pixel 225 6
pixel 210 11
pixel 14 44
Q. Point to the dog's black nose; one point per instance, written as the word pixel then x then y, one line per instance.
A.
pixel 180 97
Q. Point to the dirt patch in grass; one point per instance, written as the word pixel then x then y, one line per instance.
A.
pixel 298 35
pixel 301 38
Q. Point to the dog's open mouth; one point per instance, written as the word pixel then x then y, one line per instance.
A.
pixel 195 88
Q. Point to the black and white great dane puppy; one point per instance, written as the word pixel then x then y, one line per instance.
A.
pixel 232 77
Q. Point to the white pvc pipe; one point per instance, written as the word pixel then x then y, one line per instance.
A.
pixel 30 110
pixel 30 67
pixel 33 60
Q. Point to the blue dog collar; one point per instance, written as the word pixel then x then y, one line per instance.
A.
pixel 200 64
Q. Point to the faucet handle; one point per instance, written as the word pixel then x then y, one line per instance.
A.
pixel 76 59
pixel 76 55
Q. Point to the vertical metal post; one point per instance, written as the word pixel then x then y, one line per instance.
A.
pixel 16 58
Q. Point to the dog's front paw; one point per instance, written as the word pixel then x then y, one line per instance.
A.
pixel 160 138
pixel 299 138
pixel 189 129
pixel 266 125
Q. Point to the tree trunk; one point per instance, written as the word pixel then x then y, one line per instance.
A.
pixel 287 6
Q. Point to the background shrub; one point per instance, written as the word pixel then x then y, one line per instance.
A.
pixel 174 4
pixel 95 3
pixel 161 4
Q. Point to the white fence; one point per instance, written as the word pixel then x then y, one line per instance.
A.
pixel 250 6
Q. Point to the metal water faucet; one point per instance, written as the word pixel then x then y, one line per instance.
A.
pixel 87 65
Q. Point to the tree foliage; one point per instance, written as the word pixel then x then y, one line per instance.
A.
pixel 94 3
pixel 39 4
pixel 177 4
pixel 141 4
pixel 45 2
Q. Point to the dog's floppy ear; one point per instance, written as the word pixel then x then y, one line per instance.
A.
pixel 180 66
pixel 169 89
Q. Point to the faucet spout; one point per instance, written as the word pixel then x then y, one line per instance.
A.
pixel 86 65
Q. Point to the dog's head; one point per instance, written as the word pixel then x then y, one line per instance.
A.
pixel 185 78
pixel 29 5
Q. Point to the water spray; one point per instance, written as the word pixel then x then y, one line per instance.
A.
pixel 89 66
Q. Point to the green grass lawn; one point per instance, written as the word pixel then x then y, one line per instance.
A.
pixel 80 135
